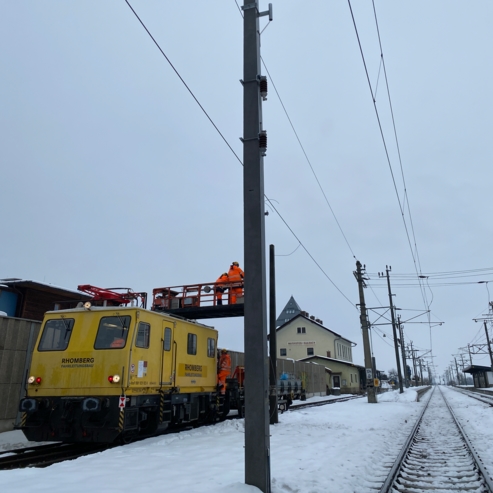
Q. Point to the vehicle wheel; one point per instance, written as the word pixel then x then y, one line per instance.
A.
pixel 241 411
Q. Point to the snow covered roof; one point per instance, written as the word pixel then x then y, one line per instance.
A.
pixel 13 282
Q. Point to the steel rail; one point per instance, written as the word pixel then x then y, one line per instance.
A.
pixel 43 456
pixel 394 471
pixel 486 399
pixel 472 450
pixel 294 407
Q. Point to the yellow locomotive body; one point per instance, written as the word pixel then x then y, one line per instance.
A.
pixel 104 373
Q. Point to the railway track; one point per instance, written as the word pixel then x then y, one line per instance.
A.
pixel 48 454
pixel 45 455
pixel 304 405
pixel 483 397
pixel 438 456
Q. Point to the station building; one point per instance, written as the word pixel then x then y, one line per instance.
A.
pixel 302 337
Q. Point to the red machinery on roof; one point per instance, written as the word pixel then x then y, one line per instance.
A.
pixel 112 297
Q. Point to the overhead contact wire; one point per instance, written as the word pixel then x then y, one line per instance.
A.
pixel 231 149
pixel 307 159
pixel 406 197
pixel 183 81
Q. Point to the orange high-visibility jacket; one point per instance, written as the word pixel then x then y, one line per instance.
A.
pixel 222 279
pixel 225 363
pixel 235 274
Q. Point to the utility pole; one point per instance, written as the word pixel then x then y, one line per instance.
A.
pixel 420 371
pixel 414 361
pixel 457 371
pixel 429 374
pixel 489 344
pixel 274 418
pixel 394 331
pixel 372 395
pixel 469 351
pixel 403 352
pixel 462 367
pixel 257 441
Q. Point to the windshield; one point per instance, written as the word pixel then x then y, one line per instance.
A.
pixel 112 332
pixel 56 334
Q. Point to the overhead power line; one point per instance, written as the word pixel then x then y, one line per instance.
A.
pixel 308 160
pixel 232 150
pixel 414 251
pixel 183 81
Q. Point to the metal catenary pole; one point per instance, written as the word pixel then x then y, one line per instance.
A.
pixel 394 332
pixel 257 441
pixel 413 356
pixel 274 418
pixel 489 344
pixel 403 352
pixel 457 371
pixel 372 396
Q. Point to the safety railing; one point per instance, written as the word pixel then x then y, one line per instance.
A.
pixel 197 295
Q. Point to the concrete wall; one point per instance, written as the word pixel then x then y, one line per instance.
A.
pixel 17 338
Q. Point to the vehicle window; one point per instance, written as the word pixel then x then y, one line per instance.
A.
pixel 143 335
pixel 112 332
pixel 192 344
pixel 211 348
pixel 56 334
pixel 167 339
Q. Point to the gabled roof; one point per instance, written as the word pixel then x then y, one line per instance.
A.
pixel 314 322
pixel 290 310
pixel 332 359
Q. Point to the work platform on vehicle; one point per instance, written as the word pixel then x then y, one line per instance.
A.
pixel 198 301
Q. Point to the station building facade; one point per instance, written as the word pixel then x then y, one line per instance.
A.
pixel 304 338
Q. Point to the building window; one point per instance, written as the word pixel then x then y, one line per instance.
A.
pixel 283 352
pixel 351 378
pixel 328 354
pixel 301 330
pixel 309 351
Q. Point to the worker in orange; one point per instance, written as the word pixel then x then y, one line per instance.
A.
pixel 220 288
pixel 118 342
pixel 223 370
pixel 235 276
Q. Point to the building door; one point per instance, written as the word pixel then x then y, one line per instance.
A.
pixel 336 381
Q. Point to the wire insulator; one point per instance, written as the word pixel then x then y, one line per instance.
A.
pixel 262 142
pixel 263 87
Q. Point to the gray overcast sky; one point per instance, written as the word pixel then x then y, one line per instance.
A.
pixel 111 174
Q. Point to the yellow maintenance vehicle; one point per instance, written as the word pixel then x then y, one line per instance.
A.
pixel 116 372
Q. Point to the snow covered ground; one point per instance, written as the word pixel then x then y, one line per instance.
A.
pixel 342 447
